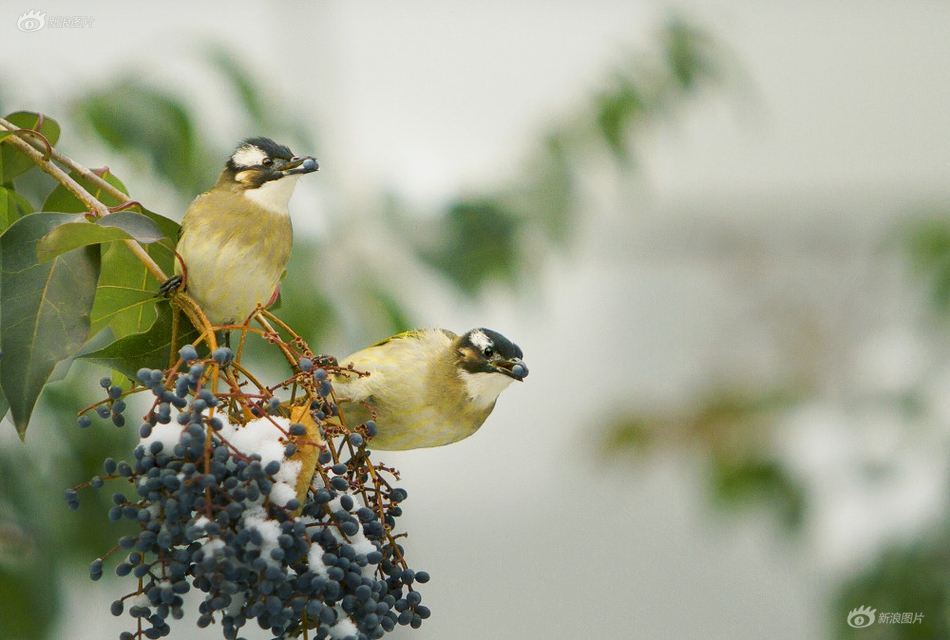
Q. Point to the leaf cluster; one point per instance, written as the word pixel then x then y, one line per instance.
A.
pixel 69 270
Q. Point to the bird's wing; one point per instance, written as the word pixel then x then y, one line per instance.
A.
pixel 415 333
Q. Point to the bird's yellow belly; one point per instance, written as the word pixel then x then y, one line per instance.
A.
pixel 229 277
pixel 414 427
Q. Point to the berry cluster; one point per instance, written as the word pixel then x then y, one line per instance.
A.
pixel 257 504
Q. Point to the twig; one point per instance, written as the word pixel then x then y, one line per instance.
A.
pixel 71 164
pixel 28 148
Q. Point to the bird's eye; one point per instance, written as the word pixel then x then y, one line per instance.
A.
pixel 267 162
pixel 488 351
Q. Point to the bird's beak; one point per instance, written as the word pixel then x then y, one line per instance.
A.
pixel 514 368
pixel 306 164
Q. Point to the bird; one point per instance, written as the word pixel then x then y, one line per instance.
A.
pixel 427 388
pixel 235 239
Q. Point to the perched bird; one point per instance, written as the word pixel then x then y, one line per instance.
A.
pixel 235 239
pixel 428 388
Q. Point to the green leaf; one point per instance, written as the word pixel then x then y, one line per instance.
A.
pixel 121 225
pixel 12 207
pixel 45 309
pixel 151 348
pixel 140 227
pixel 12 161
pixel 62 199
pixel 125 300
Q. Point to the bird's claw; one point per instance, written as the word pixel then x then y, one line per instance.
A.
pixel 169 286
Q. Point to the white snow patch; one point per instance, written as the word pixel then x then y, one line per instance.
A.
pixel 167 434
pixel 263 437
pixel 259 436
pixel 344 626
pixel 256 518
pixel 212 546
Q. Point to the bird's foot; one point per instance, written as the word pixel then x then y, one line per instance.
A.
pixel 170 286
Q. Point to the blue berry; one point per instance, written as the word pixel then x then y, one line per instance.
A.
pixel 84 422
pixel 188 353
pixel 223 356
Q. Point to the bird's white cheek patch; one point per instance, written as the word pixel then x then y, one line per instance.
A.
pixel 274 195
pixel 484 388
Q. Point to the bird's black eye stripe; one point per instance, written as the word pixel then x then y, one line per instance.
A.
pixel 267 162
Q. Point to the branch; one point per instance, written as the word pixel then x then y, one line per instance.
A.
pixel 30 149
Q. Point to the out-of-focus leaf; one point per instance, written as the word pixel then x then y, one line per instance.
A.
pixel 741 482
pixel 12 207
pixel 267 113
pixel 391 310
pixel 626 435
pixel 28 581
pixel 137 119
pixel 688 53
pixel 478 245
pixel 151 348
pixel 45 309
pixel 13 162
pixel 120 225
pixel 926 242
pixel 251 96
pixel 617 110
pixel 907 579
pixel 548 198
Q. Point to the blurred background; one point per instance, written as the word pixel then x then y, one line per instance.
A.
pixel 720 232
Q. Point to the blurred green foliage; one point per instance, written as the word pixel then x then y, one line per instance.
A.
pixel 925 241
pixel 151 126
pixel 907 578
pixel 733 428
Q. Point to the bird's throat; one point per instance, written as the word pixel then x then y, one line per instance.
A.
pixel 274 195
pixel 484 388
